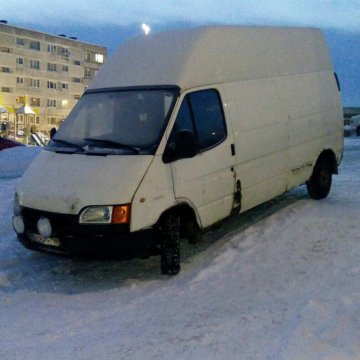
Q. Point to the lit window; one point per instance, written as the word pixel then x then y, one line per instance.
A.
pixel 99 58
pixel 34 101
pixel 64 103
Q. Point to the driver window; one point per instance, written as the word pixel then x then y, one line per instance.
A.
pixel 201 113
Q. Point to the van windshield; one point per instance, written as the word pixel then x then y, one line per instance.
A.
pixel 123 121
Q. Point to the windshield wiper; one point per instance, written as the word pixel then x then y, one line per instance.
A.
pixel 64 142
pixel 114 144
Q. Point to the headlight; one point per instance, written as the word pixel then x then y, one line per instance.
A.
pixel 16 205
pixel 118 214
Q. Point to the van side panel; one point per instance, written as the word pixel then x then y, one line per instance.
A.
pixel 261 139
pixel 312 104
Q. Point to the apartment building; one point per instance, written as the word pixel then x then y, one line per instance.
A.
pixel 42 76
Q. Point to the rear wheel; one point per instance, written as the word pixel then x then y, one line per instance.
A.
pixel 170 244
pixel 319 184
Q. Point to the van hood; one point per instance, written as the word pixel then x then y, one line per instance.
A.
pixel 66 183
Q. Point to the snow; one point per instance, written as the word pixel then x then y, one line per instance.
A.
pixel 278 282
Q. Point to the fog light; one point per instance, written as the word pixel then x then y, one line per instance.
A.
pixel 44 227
pixel 18 224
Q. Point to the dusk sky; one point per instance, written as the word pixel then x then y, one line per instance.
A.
pixel 110 22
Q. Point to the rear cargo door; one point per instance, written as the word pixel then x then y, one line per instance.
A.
pixel 206 180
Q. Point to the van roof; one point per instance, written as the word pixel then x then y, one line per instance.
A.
pixel 215 54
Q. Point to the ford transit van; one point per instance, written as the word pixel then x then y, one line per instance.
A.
pixel 178 131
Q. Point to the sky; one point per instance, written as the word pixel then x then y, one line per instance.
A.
pixel 110 22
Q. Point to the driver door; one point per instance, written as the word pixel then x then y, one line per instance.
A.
pixel 206 180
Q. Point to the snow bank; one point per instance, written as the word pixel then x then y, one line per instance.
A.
pixel 278 282
pixel 14 161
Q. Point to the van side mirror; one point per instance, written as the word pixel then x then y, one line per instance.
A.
pixel 184 147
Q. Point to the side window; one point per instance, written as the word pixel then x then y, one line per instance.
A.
pixel 208 117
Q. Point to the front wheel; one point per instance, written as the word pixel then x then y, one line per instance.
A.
pixel 319 184
pixel 170 244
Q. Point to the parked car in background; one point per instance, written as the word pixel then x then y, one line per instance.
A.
pixel 7 143
pixel 355 124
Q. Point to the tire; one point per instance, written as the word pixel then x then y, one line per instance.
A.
pixel 192 232
pixel 170 244
pixel 319 183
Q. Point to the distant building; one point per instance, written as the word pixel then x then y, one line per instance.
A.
pixel 42 76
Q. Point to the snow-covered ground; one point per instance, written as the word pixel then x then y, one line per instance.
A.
pixel 279 282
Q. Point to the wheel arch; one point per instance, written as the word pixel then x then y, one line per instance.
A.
pixel 185 211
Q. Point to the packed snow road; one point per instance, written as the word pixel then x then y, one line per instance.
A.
pixel 279 282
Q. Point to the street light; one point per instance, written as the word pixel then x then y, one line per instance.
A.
pixel 146 28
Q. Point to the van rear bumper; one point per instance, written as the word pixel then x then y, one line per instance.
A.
pixel 71 238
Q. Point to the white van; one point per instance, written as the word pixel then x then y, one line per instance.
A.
pixel 178 131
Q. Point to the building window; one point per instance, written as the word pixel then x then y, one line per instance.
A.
pixel 51 85
pixel 65 52
pixel 65 86
pixel 19 61
pixel 51 67
pixel 65 68
pixel 4 49
pixel 5 69
pixel 51 103
pixel 20 42
pixel 64 103
pixel 77 97
pixel 20 100
pixel 76 62
pixel 76 80
pixel 5 89
pixel 37 120
pixel 34 101
pixel 99 58
pixel 51 48
pixel 35 83
pixel 88 56
pixel 52 121
pixel 19 80
pixel 35 64
pixel 87 73
pixel 35 45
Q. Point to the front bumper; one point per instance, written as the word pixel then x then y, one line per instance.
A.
pixel 71 238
